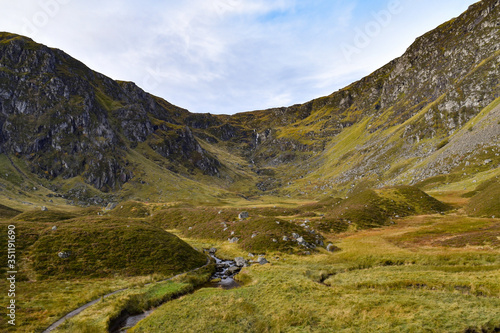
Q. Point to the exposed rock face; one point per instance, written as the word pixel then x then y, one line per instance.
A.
pixel 66 120
pixel 406 107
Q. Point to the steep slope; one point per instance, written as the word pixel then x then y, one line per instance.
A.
pixel 431 112
pixel 64 120
pixel 389 122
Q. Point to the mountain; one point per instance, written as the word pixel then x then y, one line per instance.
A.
pixel 430 117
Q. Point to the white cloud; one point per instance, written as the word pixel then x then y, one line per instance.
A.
pixel 225 56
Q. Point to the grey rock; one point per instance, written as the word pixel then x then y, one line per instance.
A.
pixel 110 206
pixel 285 238
pixel 54 228
pixel 233 270
pixel 243 215
pixel 64 254
pixel 241 262
pixel 233 240
pixel 212 250
pixel 262 260
pixel 332 248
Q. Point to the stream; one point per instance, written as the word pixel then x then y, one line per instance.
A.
pixel 222 278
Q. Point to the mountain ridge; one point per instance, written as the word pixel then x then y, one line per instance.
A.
pixel 377 131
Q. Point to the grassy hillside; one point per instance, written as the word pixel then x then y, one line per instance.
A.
pixel 106 247
pixel 7 212
pixel 485 201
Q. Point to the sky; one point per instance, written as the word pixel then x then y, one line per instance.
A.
pixel 228 56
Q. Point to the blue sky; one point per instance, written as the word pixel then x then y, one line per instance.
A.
pixel 228 56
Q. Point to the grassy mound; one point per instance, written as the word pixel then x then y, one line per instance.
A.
pixel 486 200
pixel 7 212
pixel 261 232
pixel 130 209
pixel 44 216
pixel 105 247
pixel 375 208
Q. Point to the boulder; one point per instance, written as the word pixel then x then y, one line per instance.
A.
pixel 110 206
pixel 212 250
pixel 241 262
pixel 64 254
pixel 332 248
pixel 54 228
pixel 233 270
pixel 262 261
pixel 233 240
pixel 44 209
pixel 243 215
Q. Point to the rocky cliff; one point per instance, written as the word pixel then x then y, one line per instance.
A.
pixel 431 112
pixel 66 120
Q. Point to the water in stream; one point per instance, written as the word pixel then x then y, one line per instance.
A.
pixel 226 269
pixel 222 278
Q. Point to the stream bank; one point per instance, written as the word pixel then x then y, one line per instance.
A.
pixel 222 278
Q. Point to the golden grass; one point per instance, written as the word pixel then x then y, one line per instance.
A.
pixel 375 284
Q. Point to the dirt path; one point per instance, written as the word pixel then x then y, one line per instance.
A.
pixel 89 304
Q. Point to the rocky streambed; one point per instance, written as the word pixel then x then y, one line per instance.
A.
pixel 222 278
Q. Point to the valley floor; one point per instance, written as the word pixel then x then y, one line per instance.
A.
pixel 425 273
pixel 411 277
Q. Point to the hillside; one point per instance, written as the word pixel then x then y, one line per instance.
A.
pixel 81 138
pixel 373 209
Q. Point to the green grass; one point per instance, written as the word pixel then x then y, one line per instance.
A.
pixel 404 278
pixel 255 234
pixel 425 272
pixel 45 216
pixel 452 231
pixel 105 247
pixel 7 212
pixel 130 210
pixel 105 314
pixel 486 201
pixel 43 302
pixel 375 208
